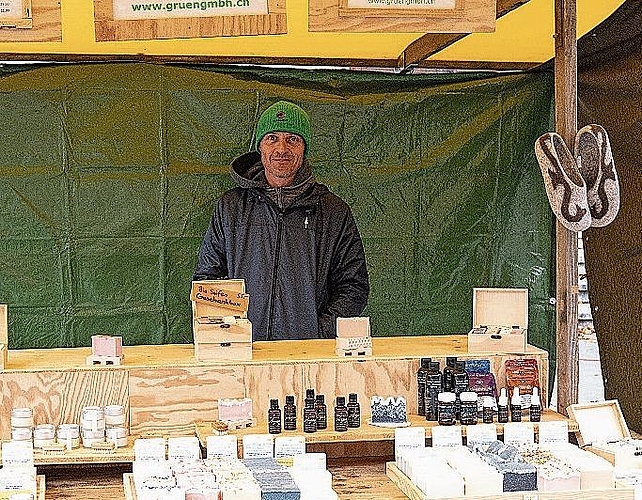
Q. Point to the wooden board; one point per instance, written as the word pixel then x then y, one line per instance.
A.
pixel 414 493
pixel 4 325
pixel 58 396
pixel 165 397
pixel 108 29
pixel 47 26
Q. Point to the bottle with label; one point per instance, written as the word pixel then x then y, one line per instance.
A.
pixel 354 411
pixel 446 408
pixel 434 386
pixel 487 409
pixel 468 408
pixel 460 384
pixel 422 373
pixel 289 414
pixel 502 406
pixel 516 406
pixel 535 412
pixel 309 416
pixel 322 412
pixel 341 415
pixel 274 417
pixel 448 373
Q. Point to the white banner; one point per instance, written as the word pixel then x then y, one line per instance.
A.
pixel 401 4
pixel 164 9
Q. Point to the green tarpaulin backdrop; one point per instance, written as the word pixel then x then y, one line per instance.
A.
pixel 109 174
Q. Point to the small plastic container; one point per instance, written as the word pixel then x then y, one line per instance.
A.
pixel 69 435
pixel 114 416
pixel 446 408
pixel 22 418
pixel 44 435
pixel 117 435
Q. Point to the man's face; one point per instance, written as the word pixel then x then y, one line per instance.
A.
pixel 282 156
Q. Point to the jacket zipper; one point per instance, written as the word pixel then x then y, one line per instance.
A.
pixel 277 251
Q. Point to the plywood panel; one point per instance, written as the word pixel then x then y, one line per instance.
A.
pixel 166 397
pixel 108 29
pixel 47 25
pixel 58 397
pixel 477 16
pixel 263 382
pixel 365 377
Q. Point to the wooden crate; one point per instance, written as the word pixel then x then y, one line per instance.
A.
pixel 621 492
pixel 216 339
pixel 499 307
pixel 603 431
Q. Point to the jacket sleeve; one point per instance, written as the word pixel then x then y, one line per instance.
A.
pixel 212 261
pixel 348 286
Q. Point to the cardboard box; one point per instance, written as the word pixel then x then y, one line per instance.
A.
pixel 219 320
pixel 500 320
pixel 603 431
pixel 106 345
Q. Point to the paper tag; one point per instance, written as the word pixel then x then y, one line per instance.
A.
pixel 552 433
pixel 288 446
pixel 446 435
pixel 409 438
pixel 517 433
pixel 481 434
pixel 258 446
pixel 149 449
pixel 17 479
pixel 310 461
pixel 183 449
pixel 216 296
pixel 17 454
pixel 222 446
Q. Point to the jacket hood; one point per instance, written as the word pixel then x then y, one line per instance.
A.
pixel 248 172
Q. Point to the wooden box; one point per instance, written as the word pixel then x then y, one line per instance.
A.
pixel 500 320
pixel 219 320
pixel 603 431
pixel 353 337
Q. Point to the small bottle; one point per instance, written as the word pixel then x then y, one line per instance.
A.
pixel 516 406
pixel 274 417
pixel 460 384
pixel 434 385
pixel 422 374
pixel 446 408
pixel 487 410
pixel 309 416
pixel 535 412
pixel 448 373
pixel 322 412
pixel 502 406
pixel 341 415
pixel 289 414
pixel 468 409
pixel 354 411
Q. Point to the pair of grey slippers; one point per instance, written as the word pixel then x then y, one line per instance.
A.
pixel 582 187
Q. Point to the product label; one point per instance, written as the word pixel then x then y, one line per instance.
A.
pixel 481 433
pixel 222 446
pixel 409 438
pixel 151 449
pixel 552 433
pixel 288 446
pixel 517 433
pixel 446 436
pixel 17 454
pixel 183 449
pixel 258 446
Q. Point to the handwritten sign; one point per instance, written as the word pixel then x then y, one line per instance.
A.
pixel 216 296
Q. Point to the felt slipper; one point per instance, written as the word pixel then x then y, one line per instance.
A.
pixel 595 162
pixel 564 185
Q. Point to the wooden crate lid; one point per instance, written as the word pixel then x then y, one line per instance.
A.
pixel 500 307
pixel 238 297
pixel 599 422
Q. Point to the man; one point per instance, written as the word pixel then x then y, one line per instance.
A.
pixel 294 243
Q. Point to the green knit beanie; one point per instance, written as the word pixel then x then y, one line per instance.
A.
pixel 283 116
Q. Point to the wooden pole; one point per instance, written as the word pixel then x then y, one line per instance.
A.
pixel 566 241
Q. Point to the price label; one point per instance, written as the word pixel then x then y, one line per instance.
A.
pixel 552 433
pixel 183 449
pixel 409 438
pixel 222 446
pixel 17 453
pixel 150 449
pixel 517 433
pixel 481 434
pixel 446 435
pixel 288 446
pixel 258 446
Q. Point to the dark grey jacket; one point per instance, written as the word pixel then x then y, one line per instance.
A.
pixel 297 248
